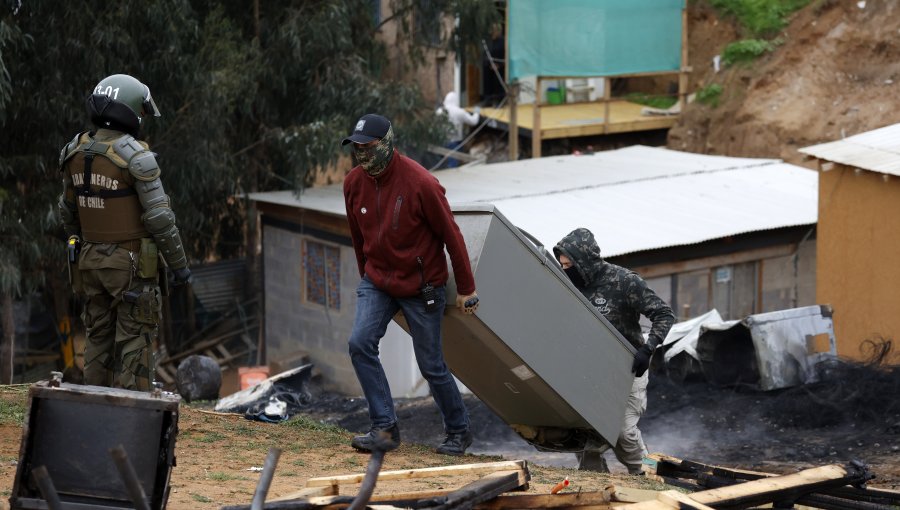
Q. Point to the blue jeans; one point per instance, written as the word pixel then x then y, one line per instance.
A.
pixel 374 310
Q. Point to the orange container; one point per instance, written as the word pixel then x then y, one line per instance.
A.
pixel 251 376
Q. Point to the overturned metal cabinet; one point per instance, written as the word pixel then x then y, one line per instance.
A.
pixel 70 429
pixel 536 351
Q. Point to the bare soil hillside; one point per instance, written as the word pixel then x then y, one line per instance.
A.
pixel 836 74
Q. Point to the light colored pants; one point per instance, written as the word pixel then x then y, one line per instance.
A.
pixel 630 448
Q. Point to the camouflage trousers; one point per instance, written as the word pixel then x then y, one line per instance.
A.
pixel 121 317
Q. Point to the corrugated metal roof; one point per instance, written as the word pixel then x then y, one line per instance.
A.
pixel 219 285
pixel 877 151
pixel 633 199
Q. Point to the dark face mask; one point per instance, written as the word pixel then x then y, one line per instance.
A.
pixel 375 159
pixel 575 276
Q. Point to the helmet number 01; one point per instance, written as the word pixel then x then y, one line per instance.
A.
pixel 108 91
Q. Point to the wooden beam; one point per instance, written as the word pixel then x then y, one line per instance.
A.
pixel 484 489
pixel 685 266
pixel 607 97
pixel 679 501
pixel 309 492
pixel 683 72
pixel 536 121
pixel 771 489
pixel 513 120
pixel 561 500
pixel 406 474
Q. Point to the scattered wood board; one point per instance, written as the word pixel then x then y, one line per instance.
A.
pixel 829 487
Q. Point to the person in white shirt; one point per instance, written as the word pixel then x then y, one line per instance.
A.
pixel 458 118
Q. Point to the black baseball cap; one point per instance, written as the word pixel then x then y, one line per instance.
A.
pixel 369 127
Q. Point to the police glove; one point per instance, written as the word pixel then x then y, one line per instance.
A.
pixel 642 360
pixel 180 277
pixel 467 304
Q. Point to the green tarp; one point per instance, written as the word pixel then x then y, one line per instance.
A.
pixel 593 37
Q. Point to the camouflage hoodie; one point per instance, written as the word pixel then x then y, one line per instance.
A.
pixel 618 293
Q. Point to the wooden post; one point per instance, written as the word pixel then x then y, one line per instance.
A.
pixel 607 95
pixel 536 124
pixel 514 121
pixel 683 75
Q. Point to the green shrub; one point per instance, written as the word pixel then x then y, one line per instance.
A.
pixel 760 18
pixel 746 50
pixel 710 94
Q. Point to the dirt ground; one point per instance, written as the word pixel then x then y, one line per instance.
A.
pixel 852 414
pixel 855 415
pixel 836 73
pixel 216 455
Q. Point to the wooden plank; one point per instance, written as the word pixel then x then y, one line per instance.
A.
pixel 768 489
pixel 632 495
pixel 513 119
pixel 308 492
pixel 681 501
pixel 655 270
pixel 405 474
pixel 536 121
pixel 483 489
pixel 709 476
pixel 579 119
pixel 560 500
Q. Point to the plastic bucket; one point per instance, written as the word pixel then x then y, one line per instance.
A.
pixel 555 96
pixel 251 376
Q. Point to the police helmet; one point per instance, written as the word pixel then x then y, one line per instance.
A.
pixel 120 102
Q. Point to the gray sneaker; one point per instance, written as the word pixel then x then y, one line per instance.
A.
pixel 456 443
pixel 383 439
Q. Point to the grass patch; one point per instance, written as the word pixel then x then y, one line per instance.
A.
pixel 209 437
pixel 327 435
pixel 710 95
pixel 200 498
pixel 654 101
pixel 12 413
pixel 747 50
pixel 240 429
pixel 220 476
pixel 760 18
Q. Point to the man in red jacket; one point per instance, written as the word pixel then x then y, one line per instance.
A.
pixel 400 222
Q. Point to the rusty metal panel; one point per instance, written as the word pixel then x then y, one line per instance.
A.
pixel 71 429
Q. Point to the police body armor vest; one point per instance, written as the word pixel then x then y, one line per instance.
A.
pixel 108 206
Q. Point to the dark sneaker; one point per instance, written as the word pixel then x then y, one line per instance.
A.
pixel 383 439
pixel 456 443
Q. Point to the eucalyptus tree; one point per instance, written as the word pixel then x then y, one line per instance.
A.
pixel 253 96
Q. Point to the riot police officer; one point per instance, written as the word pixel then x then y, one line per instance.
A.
pixel 113 206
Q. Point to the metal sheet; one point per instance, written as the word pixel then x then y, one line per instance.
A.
pixel 70 430
pixel 877 150
pixel 536 352
pixel 702 197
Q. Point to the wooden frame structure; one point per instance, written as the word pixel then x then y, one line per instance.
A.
pixel 617 116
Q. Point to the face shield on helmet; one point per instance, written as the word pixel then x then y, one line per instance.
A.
pixel 121 102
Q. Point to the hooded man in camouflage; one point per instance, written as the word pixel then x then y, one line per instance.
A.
pixel 622 296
